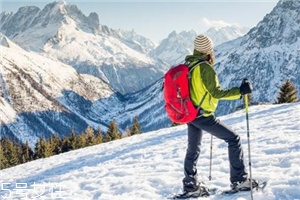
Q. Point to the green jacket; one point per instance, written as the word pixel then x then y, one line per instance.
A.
pixel 204 79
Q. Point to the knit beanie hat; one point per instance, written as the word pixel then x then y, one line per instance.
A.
pixel 203 44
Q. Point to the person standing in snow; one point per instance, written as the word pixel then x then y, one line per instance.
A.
pixel 206 90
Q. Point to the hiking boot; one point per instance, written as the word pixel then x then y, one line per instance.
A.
pixel 192 189
pixel 244 185
pixel 191 186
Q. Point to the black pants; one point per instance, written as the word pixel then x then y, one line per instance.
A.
pixel 216 128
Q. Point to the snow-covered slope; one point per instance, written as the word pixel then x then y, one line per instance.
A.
pixel 61 31
pixel 150 166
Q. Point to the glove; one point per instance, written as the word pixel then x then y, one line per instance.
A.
pixel 246 87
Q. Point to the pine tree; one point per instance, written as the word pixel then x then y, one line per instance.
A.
pixel 98 137
pixel 47 150
pixel 73 140
pixel 81 141
pixel 43 149
pixel 3 160
pixel 10 152
pixel 135 129
pixel 37 150
pixel 18 150
pixel 56 144
pixel 66 145
pixel 287 93
pixel 89 136
pixel 27 153
pixel 113 132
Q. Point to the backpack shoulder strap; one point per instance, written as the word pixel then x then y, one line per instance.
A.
pixel 192 66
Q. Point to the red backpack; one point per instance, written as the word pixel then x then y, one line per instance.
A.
pixel 178 103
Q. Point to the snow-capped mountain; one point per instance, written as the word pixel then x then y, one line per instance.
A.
pixel 40 97
pixel 176 46
pixel 150 166
pixel 225 34
pixel 267 55
pixel 61 31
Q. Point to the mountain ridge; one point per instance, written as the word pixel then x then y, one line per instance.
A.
pixel 62 32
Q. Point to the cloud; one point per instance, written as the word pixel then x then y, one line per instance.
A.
pixel 217 24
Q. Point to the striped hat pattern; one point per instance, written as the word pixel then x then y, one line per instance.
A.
pixel 203 44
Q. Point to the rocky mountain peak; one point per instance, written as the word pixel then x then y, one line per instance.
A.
pixel 19 21
pixel 54 13
pixel 93 20
pixel 280 26
pixel 288 4
pixel 60 10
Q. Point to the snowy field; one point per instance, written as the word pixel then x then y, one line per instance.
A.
pixel 150 166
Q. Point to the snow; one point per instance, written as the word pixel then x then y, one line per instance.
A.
pixel 44 71
pixel 150 166
pixel 21 72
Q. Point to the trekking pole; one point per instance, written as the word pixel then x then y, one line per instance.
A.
pixel 248 137
pixel 210 163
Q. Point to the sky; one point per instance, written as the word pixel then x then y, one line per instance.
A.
pixel 150 166
pixel 157 19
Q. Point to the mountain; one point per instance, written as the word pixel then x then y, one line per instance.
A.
pixel 267 55
pixel 150 166
pixel 176 46
pixel 61 31
pixel 225 34
pixel 40 97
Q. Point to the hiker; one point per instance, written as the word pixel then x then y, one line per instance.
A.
pixel 205 90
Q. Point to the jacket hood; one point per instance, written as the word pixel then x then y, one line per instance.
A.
pixel 196 56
